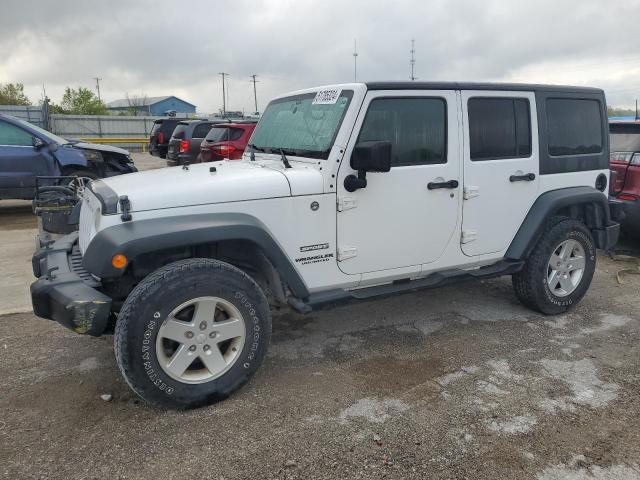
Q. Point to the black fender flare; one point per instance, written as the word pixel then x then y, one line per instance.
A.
pixel 605 232
pixel 145 236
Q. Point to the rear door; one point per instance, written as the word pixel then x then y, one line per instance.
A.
pixel 501 167
pixel 20 162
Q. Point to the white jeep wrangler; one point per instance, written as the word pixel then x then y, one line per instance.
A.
pixel 346 191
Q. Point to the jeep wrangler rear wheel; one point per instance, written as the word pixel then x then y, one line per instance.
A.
pixel 559 270
pixel 191 333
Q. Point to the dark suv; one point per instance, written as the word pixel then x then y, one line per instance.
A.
pixel 184 145
pixel 160 135
pixel 625 172
pixel 28 151
pixel 226 141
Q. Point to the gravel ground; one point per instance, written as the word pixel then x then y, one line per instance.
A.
pixel 459 382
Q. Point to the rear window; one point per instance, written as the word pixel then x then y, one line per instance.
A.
pixel 499 128
pixel 224 134
pixel 179 130
pixel 201 130
pixel 156 127
pixel 574 126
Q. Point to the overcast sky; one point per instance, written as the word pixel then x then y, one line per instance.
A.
pixel 178 47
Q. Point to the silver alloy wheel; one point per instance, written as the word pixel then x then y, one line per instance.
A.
pixel 200 340
pixel 566 268
pixel 78 184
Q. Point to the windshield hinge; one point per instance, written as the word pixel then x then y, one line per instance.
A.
pixel 346 203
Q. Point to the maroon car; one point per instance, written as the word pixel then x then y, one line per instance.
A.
pixel 625 172
pixel 226 140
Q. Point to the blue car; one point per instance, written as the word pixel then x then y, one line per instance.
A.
pixel 28 151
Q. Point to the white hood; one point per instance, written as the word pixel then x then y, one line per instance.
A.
pixel 232 181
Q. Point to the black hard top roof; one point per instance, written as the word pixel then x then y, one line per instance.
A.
pixel 477 86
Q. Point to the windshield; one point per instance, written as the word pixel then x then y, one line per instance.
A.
pixel 304 125
pixel 43 133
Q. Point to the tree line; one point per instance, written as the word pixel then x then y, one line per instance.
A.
pixel 76 101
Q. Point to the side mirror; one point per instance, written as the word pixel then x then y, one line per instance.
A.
pixel 53 147
pixel 372 156
pixel 38 144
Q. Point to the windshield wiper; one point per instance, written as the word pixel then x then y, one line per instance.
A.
pixel 253 148
pixel 284 159
pixel 259 149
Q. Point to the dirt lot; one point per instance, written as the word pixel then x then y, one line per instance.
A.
pixel 458 382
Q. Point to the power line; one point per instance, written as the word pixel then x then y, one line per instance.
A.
pixel 255 95
pixel 97 79
pixel 355 61
pixel 413 59
pixel 224 101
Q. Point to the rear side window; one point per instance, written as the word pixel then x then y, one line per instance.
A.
pixel 224 134
pixel 12 135
pixel 178 132
pixel 201 130
pixel 574 126
pixel 499 128
pixel 416 128
pixel 156 127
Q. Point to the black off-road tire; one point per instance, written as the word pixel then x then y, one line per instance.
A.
pixel 530 284
pixel 155 298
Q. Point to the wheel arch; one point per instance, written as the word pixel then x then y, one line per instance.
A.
pixel 240 239
pixel 583 203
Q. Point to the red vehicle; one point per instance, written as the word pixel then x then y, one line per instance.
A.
pixel 625 172
pixel 227 140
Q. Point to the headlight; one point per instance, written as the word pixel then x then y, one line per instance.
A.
pixel 93 155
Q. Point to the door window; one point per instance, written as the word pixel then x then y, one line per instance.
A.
pixel 12 135
pixel 499 128
pixel 416 128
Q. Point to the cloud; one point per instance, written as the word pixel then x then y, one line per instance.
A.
pixel 166 47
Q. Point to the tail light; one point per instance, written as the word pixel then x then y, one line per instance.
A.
pixel 627 196
pixel 184 146
pixel 161 137
pixel 224 150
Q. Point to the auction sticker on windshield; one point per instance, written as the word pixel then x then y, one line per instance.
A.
pixel 327 97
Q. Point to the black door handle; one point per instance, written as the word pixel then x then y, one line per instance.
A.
pixel 449 184
pixel 527 177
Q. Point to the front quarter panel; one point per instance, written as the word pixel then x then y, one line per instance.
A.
pixel 70 156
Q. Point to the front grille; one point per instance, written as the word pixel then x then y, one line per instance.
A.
pixel 75 264
pixel 86 226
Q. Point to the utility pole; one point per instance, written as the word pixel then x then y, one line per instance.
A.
pixel 224 101
pixel 255 95
pixel 413 59
pixel 97 79
pixel 355 61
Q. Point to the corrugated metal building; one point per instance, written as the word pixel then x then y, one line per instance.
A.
pixel 152 106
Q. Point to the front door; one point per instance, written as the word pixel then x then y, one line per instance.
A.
pixel 407 216
pixel 500 167
pixel 20 162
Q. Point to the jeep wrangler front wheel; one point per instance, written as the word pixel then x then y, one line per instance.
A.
pixel 191 333
pixel 559 270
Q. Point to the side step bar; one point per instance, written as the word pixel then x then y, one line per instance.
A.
pixel 504 267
